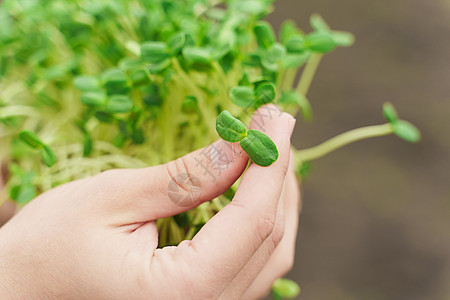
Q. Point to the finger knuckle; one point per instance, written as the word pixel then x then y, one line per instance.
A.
pixel 277 234
pixel 284 169
pixel 178 166
pixel 266 225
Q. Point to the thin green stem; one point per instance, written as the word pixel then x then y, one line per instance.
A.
pixel 342 140
pixel 308 74
pixel 289 79
pixel 18 110
pixel 209 119
pixel 222 85
pixel 280 80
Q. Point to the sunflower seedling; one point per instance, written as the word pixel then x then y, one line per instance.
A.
pixel 259 147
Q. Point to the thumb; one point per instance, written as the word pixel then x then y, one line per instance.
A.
pixel 141 195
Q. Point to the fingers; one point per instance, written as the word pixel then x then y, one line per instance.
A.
pixel 282 259
pixel 267 264
pixel 231 238
pixel 141 195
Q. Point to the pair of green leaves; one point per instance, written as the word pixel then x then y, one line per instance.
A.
pixel 322 40
pixel 290 54
pixel 113 82
pixel 32 140
pixel 108 94
pixel 294 41
pixel 245 96
pixel 340 38
pixel 112 104
pixel 259 147
pixel 401 128
pixel 317 41
pixel 158 54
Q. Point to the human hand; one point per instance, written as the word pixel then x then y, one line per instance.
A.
pixel 96 238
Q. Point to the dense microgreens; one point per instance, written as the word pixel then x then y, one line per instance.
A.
pixel 92 85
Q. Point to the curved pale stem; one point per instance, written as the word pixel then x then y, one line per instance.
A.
pixel 308 74
pixel 341 140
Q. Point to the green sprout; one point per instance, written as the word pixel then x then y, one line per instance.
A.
pixel 401 128
pixel 130 84
pixel 33 141
pixel 259 147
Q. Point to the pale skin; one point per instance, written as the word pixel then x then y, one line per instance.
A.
pixel 96 238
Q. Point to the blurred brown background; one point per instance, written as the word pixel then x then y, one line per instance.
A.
pixel 376 215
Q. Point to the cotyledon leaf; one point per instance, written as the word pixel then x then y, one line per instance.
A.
pixel 260 148
pixel 31 139
pixel 229 128
pixel 48 156
pixel 389 112
pixel 406 131
pixel 242 96
pixel 321 42
pixel 265 93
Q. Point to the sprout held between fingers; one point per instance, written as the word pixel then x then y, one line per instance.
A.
pixel 259 147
